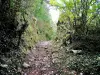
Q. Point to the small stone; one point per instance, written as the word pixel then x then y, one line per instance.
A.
pixel 77 51
pixel 43 68
pixel 4 65
pixel 34 48
pixel 25 74
pixel 81 73
pixel 98 58
pixel 25 65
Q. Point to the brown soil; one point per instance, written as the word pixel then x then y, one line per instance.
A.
pixel 39 60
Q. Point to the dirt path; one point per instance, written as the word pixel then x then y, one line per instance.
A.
pixel 39 60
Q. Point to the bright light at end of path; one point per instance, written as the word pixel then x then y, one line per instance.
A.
pixel 54 14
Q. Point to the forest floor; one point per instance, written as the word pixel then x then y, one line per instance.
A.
pixel 38 60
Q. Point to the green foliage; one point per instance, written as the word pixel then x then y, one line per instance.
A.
pixel 86 63
pixel 19 30
pixel 38 18
pixel 41 12
pixel 10 53
pixel 45 30
pixel 78 29
pixel 80 15
pixel 40 29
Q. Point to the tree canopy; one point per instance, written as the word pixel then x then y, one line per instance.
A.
pixel 80 15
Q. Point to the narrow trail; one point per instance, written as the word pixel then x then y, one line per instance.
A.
pixel 39 60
